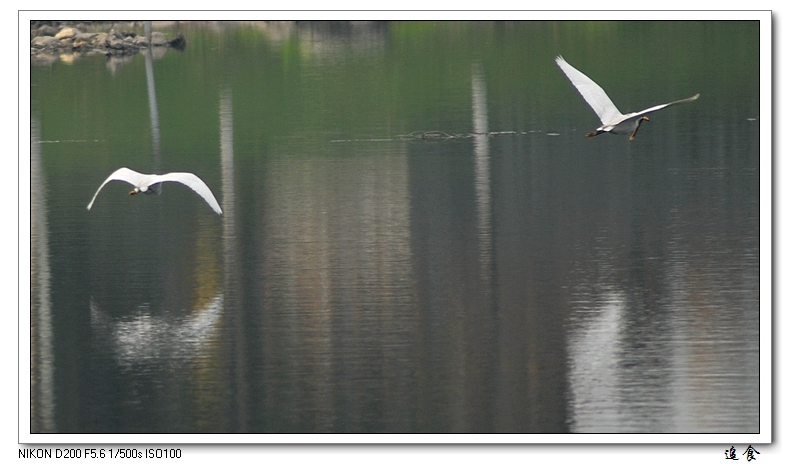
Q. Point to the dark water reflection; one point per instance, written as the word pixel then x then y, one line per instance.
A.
pixel 533 281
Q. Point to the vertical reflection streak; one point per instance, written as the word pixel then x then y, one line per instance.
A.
pixel 153 109
pixel 479 395
pixel 42 403
pixel 482 173
pixel 232 293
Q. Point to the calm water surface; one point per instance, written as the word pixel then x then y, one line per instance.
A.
pixel 502 274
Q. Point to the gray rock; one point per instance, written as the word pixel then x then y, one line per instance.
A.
pixel 84 39
pixel 46 30
pixel 114 42
pixel 43 41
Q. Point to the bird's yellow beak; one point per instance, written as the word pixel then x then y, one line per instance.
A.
pixel 645 118
pixel 134 192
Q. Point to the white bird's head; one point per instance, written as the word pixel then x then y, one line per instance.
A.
pixel 135 191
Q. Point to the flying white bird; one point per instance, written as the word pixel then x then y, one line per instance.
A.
pixel 611 119
pixel 144 182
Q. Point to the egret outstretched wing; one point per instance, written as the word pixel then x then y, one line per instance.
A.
pixel 653 109
pixel 124 174
pixel 195 183
pixel 592 93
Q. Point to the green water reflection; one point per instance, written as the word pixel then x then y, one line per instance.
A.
pixel 363 279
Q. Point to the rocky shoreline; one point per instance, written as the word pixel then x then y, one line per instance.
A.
pixel 54 40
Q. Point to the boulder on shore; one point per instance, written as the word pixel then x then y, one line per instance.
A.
pixel 48 39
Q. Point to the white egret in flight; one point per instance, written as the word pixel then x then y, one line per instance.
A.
pixel 144 182
pixel 611 119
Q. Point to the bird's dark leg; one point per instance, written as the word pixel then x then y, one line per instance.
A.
pixel 639 123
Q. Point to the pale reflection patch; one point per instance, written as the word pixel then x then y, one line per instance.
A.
pixel 143 337
pixel 594 351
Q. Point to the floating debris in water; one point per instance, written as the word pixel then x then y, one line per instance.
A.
pixel 361 140
pixel 67 141
pixel 501 133
pixel 438 135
